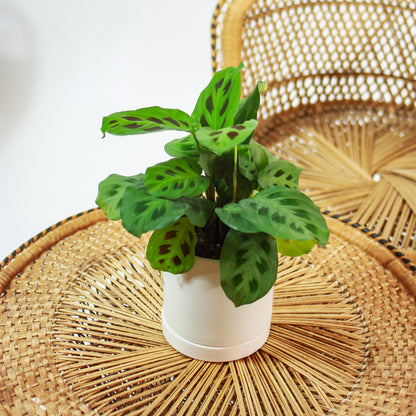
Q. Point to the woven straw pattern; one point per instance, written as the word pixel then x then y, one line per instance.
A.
pixel 81 333
pixel 359 163
pixel 340 101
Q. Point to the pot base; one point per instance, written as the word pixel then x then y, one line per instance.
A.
pixel 209 353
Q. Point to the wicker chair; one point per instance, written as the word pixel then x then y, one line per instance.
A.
pixel 341 100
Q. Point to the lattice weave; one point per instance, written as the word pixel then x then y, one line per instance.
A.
pixel 313 52
pixel 340 102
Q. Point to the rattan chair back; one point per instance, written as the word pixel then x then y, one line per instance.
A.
pixel 320 51
pixel 340 101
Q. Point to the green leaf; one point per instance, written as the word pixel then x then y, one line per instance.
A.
pixel 197 209
pixel 287 214
pixel 142 212
pixel 207 161
pixel 270 156
pixel 251 160
pixel 172 248
pixel 249 106
pixel 248 266
pixel 280 173
pixel 223 140
pixel 232 215
pixel 293 248
pixel 147 120
pixel 219 101
pixel 111 191
pixel 185 147
pixel 175 178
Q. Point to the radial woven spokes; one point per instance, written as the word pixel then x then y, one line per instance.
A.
pixel 357 162
pixel 109 347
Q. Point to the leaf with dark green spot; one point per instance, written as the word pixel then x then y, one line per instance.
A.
pixel 185 147
pixel 147 120
pixel 287 214
pixel 172 248
pixel 252 159
pixel 248 266
pixel 223 140
pixel 294 248
pixel 197 209
pixel 219 101
pixel 142 212
pixel 111 191
pixel 232 215
pixel 281 173
pixel 175 178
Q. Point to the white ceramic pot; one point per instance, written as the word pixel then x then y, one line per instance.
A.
pixel 199 321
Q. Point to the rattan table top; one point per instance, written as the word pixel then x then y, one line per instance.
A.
pixel 81 334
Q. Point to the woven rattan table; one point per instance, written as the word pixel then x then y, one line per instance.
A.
pixel 81 334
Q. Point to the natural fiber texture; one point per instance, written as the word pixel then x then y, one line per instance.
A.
pixel 340 102
pixel 81 332
pixel 357 162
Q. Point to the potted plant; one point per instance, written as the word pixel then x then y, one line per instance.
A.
pixel 220 210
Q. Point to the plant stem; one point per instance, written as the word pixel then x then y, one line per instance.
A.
pixel 235 174
pixel 211 192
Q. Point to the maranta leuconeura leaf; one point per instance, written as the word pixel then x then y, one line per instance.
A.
pixel 185 147
pixel 111 192
pixel 287 214
pixel 197 209
pixel 147 120
pixel 248 266
pixel 232 215
pixel 172 248
pixel 175 178
pixel 223 140
pixel 249 106
pixel 142 212
pixel 281 173
pixel 219 101
pixel 252 159
pixel 294 248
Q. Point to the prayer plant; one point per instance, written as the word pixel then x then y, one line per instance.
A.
pixel 221 195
